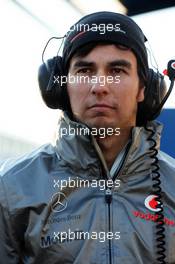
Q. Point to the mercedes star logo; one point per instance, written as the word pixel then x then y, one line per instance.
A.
pixel 59 202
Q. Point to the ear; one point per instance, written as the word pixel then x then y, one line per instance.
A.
pixel 140 94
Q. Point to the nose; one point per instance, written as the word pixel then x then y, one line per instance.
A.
pixel 100 85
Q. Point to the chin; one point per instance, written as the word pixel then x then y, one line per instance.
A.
pixel 101 122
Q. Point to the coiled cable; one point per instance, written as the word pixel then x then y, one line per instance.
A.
pixel 158 193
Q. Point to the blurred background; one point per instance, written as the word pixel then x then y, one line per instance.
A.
pixel 25 122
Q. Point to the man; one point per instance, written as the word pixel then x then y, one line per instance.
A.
pixel 103 194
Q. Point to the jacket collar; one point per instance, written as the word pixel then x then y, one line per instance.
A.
pixel 77 150
pixel 74 147
pixel 144 147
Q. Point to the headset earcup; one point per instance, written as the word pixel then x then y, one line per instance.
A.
pixel 52 91
pixel 155 91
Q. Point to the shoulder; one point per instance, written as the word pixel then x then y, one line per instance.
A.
pixel 14 164
pixel 166 161
pixel 167 172
pixel 27 177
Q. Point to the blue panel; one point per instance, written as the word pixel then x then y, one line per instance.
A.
pixel 167 117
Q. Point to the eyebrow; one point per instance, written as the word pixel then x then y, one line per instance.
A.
pixel 124 63
pixel 83 63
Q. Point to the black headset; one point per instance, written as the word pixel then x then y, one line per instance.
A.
pixel 55 95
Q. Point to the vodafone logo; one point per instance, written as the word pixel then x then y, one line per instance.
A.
pixel 151 203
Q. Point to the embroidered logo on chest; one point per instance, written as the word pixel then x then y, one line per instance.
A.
pixel 151 203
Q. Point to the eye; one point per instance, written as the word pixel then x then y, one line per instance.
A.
pixel 117 70
pixel 84 71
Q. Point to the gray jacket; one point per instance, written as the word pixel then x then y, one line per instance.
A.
pixel 55 208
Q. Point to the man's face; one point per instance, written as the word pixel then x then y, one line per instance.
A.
pixel 105 104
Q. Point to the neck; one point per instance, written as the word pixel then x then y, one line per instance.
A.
pixel 112 145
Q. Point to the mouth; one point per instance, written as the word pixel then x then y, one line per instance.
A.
pixel 102 106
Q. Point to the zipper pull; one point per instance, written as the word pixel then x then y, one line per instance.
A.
pixel 108 196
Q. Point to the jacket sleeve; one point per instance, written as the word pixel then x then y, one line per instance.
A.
pixel 8 244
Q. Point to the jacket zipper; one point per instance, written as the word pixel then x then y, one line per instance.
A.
pixel 108 198
pixel 108 191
